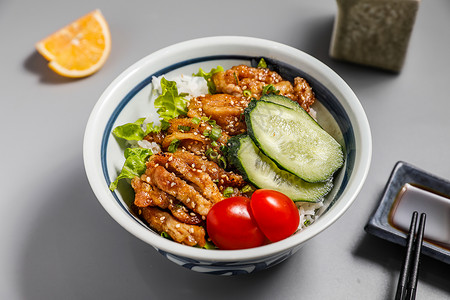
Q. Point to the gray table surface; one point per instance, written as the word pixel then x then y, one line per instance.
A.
pixel 59 243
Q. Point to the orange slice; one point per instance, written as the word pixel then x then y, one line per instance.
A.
pixel 80 48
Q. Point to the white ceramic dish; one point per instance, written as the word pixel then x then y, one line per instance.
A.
pixel 128 98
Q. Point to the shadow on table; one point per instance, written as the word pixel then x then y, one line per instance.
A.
pixel 38 65
pixel 75 250
pixel 390 256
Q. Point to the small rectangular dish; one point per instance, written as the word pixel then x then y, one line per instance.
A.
pixel 409 189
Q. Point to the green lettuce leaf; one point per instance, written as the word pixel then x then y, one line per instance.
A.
pixel 135 159
pixel 134 131
pixel 208 77
pixel 170 104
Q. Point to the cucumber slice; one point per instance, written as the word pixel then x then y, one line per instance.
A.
pixel 293 140
pixel 262 172
pixel 282 100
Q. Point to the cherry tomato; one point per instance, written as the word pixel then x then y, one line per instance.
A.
pixel 230 225
pixel 275 213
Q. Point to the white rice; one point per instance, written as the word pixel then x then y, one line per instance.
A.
pixel 149 145
pixel 307 212
pixel 194 86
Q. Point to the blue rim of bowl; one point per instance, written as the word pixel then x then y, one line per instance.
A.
pixel 327 99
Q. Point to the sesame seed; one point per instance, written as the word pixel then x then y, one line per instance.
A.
pixel 172 184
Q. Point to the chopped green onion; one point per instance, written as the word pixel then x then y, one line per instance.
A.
pixel 173 145
pixel 246 189
pixel 262 63
pixel 212 122
pixel 247 93
pixel 236 78
pixel 184 128
pixel 223 149
pixel 270 89
pixel 307 222
pixel 166 235
pixel 208 151
pixel 215 133
pixel 228 192
pixel 211 154
pixel 195 120
pixel 222 162
pixel 214 144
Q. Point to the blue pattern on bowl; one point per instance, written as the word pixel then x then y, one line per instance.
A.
pixel 229 268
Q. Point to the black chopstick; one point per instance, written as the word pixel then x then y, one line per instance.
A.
pixel 407 283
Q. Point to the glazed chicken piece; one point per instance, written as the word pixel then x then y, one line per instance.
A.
pixel 304 93
pixel 197 177
pixel 236 80
pixel 162 221
pixel 221 177
pixel 243 78
pixel 192 136
pixel 168 182
pixel 156 137
pixel 225 109
pixel 147 195
pixel 183 185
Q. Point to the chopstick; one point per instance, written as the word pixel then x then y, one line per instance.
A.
pixel 407 283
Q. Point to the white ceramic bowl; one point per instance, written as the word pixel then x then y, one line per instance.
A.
pixel 127 98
